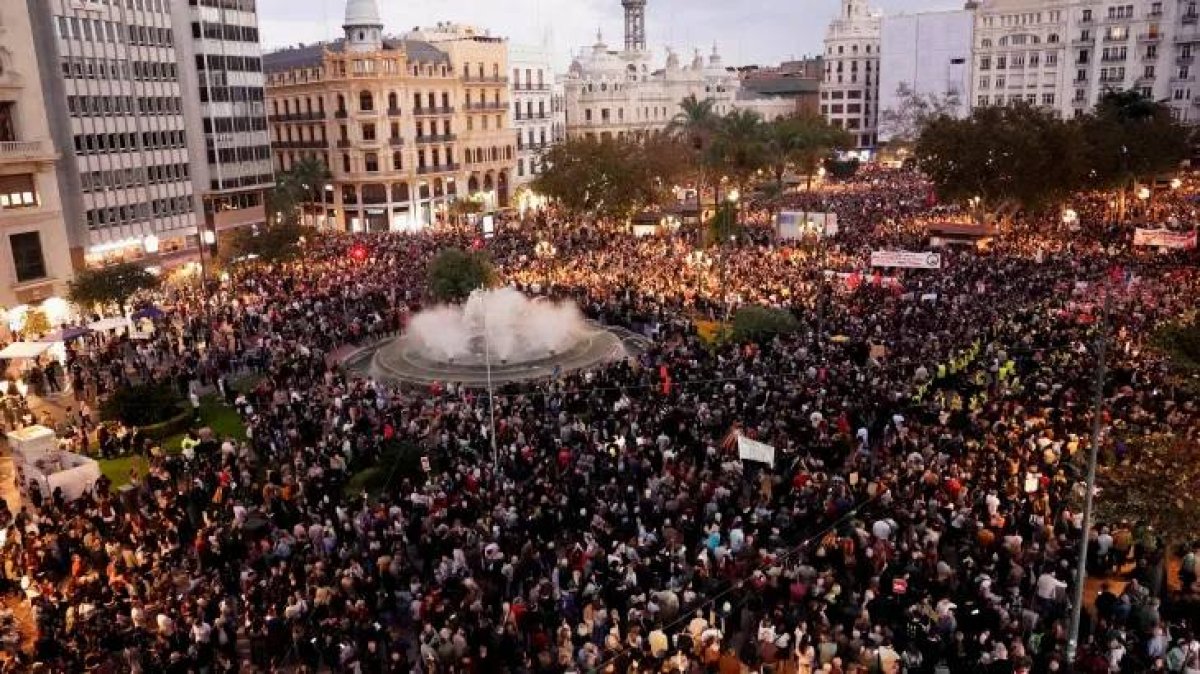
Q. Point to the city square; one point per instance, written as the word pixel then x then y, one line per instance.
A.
pixel 331 346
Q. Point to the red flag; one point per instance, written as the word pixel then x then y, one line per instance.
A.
pixel 665 378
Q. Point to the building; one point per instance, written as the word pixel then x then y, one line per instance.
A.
pixel 1184 44
pixel 221 72
pixel 111 83
pixel 405 125
pixel 613 93
pixel 930 55
pixel 850 88
pixel 531 90
pixel 796 81
pixel 35 257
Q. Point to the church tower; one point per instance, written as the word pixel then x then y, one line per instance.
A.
pixel 635 24
pixel 364 28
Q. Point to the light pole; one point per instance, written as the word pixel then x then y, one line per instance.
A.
pixel 1090 485
pixel 732 197
pixel 487 359
pixel 207 239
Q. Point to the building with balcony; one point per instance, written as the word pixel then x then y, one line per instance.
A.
pixel 223 93
pixel 113 93
pixel 850 87
pixel 405 125
pixel 531 92
pixel 35 248
pixel 1179 42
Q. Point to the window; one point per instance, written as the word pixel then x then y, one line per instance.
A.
pixel 1047 99
pixel 372 162
pixel 17 191
pixel 397 161
pixel 366 102
pixel 368 131
pixel 8 130
pixel 27 256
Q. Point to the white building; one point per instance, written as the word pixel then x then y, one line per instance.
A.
pixel 35 258
pixel 1182 46
pixel 850 88
pixel 930 54
pixel 112 86
pixel 531 91
pixel 611 93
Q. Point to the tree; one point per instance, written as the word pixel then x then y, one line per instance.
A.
pixel 1018 154
pixel 36 322
pixel 801 143
pixel 143 404
pixel 1131 137
pixel 276 243
pixel 611 178
pixel 113 284
pixel 759 322
pixel 739 146
pixel 903 123
pixel 298 191
pixel 454 274
pixel 696 125
pixel 1153 485
pixel 724 225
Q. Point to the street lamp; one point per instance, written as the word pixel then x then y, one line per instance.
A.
pixel 1070 217
pixel 1176 183
pixel 150 244
pixel 1143 193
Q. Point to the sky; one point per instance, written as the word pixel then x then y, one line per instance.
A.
pixel 762 32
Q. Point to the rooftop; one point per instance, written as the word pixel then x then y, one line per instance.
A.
pixel 310 56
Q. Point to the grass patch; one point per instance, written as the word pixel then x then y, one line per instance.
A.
pixel 224 421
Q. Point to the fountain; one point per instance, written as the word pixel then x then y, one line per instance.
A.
pixel 516 337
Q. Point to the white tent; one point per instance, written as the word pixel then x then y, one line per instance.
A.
pixel 24 350
pixel 112 323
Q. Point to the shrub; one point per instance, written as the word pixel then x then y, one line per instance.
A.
pixel 757 322
pixel 455 274
pixel 397 461
pixel 143 404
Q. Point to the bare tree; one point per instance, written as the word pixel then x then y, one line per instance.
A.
pixel 902 124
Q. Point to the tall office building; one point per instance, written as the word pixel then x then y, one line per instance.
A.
pixel 223 81
pixel 111 81
pixel 35 260
pixel 850 88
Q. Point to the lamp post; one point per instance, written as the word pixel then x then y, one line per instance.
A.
pixel 487 358
pixel 207 239
pixel 732 197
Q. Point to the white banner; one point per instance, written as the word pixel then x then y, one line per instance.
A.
pixel 1162 238
pixel 753 450
pixel 906 259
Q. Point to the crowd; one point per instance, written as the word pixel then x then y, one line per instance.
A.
pixel 921 515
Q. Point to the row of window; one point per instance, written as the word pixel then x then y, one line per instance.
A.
pixel 87 143
pixel 434 156
pixel 101 106
pixel 18 191
pixel 74 67
pixel 243 124
pixel 646 114
pixel 98 30
pixel 529 81
pixel 134 177
pixel 243 181
pixel 983 101
pixel 1019 40
pixel 130 213
pixel 839 78
pixel 219 94
pixel 239 5
pixel 541 139
pixel 541 111
pixel 231 155
pixel 140 5
pixel 1019 61
pixel 241 64
pixel 224 31
pixel 1027 18
pixel 841 49
pixel 28 262
pixel 837 95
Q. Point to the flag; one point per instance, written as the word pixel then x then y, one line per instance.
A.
pixel 664 377
pixel 731 438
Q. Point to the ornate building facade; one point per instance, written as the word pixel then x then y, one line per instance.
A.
pixel 405 125
pixel 850 88
pixel 610 93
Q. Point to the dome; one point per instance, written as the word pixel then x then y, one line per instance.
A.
pixel 363 13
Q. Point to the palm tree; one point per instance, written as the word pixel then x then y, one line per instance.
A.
pixel 814 139
pixel 310 176
pixel 739 145
pixel 696 125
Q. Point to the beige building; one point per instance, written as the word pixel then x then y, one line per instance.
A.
pixel 405 125
pixel 35 258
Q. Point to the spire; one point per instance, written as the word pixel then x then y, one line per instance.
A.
pixel 364 28
pixel 635 24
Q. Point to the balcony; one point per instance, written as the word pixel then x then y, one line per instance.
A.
pixel 486 79
pixel 488 105
pixel 1189 18
pixel 1149 37
pixel 396 142
pixel 314 144
pixel 393 112
pixel 1113 58
pixel 1122 37
pixel 531 87
pixel 1084 40
pixel 425 112
pixel 16 150
pixel 1185 60
pixel 443 168
pixel 341 114
pixel 444 138
pixel 344 144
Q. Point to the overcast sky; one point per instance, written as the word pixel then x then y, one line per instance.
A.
pixel 748 31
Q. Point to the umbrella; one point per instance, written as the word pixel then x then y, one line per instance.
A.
pixel 153 313
pixel 67 334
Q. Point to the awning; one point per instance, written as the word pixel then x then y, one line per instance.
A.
pixel 153 313
pixel 112 323
pixel 24 350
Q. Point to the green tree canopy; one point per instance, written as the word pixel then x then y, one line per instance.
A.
pixel 455 273
pixel 1154 485
pixel 276 243
pixel 609 177
pixel 1018 153
pixel 1132 137
pixel 759 322
pixel 297 191
pixel 113 284
pixel 800 143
